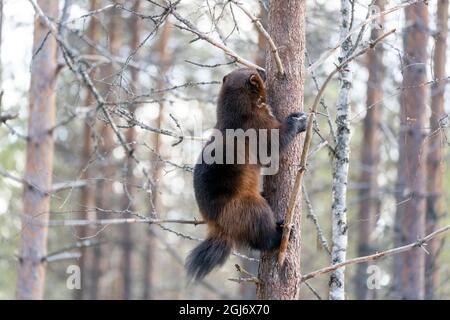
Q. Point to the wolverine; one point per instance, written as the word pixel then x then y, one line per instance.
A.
pixel 228 195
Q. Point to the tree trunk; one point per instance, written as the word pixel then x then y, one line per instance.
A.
pixel 39 161
pixel 435 161
pixel 285 95
pixel 129 199
pixel 105 199
pixel 341 161
pixel 164 59
pixel 370 150
pixel 87 198
pixel 409 277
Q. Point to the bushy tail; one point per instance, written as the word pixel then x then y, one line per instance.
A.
pixel 212 252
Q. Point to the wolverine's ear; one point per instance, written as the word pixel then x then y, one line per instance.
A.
pixel 254 80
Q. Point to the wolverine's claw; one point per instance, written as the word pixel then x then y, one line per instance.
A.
pixel 301 117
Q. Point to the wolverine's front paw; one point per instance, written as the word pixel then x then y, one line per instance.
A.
pixel 299 120
pixel 280 226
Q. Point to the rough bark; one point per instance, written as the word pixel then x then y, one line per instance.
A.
pixel 87 197
pixel 409 277
pixel 370 150
pixel 39 161
pixel 435 161
pixel 285 94
pixel 341 161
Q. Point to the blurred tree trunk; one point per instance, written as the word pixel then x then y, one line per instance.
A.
pixel 1 36
pixel 87 199
pixel 248 289
pixel 341 160
pixel 285 94
pixel 370 150
pixel 409 268
pixel 164 59
pixel 435 161
pixel 39 161
pixel 129 197
pixel 104 198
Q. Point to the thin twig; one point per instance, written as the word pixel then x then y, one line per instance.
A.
pixel 186 236
pixel 61 186
pixel 84 222
pixel 311 215
pixel 315 293
pixel 90 14
pixel 65 253
pixel 248 277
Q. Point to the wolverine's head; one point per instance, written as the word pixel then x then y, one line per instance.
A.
pixel 243 88
pixel 244 80
pixel 241 98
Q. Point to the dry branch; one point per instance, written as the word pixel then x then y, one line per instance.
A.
pixel 83 222
pixel 246 276
pixel 311 215
pixel 56 187
pixel 419 243
pixel 7 117
pixel 68 185
pixel 263 31
pixel 189 26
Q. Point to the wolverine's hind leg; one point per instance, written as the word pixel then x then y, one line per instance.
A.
pixel 250 221
pixel 265 234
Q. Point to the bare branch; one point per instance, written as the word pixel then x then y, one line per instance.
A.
pixel 65 253
pixel 8 116
pixel 248 277
pixel 374 17
pixel 260 27
pixel 185 236
pixel 311 215
pixel 419 243
pixel 245 279
pixel 61 186
pixel 83 222
pixel 189 26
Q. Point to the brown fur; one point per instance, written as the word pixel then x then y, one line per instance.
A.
pixel 228 194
